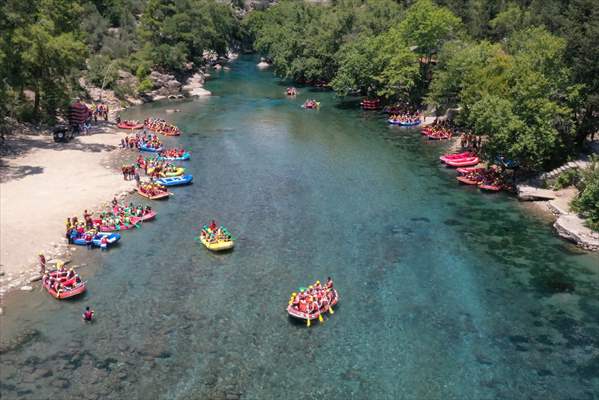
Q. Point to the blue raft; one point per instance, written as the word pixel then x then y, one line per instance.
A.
pixel 96 240
pixel 394 122
pixel 143 147
pixel 175 180
pixel 184 157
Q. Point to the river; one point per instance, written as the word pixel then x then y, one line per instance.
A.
pixel 446 293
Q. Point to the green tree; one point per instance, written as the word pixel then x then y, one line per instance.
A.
pixel 587 202
pixel 427 26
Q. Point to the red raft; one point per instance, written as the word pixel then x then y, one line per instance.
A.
pixel 312 303
pixel 469 180
pixel 60 286
pixel 373 104
pixel 456 156
pixel 463 162
pixel 132 125
pixel 149 216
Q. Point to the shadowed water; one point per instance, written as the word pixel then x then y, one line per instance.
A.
pixel 446 293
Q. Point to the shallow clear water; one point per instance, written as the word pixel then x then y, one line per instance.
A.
pixel 446 293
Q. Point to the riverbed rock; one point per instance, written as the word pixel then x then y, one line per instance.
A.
pixel 27 288
pixel 35 278
pixel 263 64
pixel 194 85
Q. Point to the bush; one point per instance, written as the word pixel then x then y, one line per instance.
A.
pixel 567 178
pixel 587 202
pixel 100 71
pixel 145 85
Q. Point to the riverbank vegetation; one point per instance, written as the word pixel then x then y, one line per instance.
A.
pixel 524 77
pixel 47 46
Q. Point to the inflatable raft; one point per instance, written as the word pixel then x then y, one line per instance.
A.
pixel 129 125
pixel 296 313
pixel 111 238
pixel 469 170
pixel 148 216
pixel 71 290
pixel 374 104
pixel 462 162
pixel 311 106
pixel 186 156
pixel 468 180
pixel 489 187
pixel 402 123
pixel 177 172
pixel 158 196
pixel 175 181
pixel 457 156
pixel 133 221
pixel 218 245
pixel 143 147
pixel 97 239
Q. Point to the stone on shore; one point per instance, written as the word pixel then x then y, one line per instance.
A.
pixel 194 86
pixel 27 288
pixel 572 228
pixel 530 193
pixel 263 64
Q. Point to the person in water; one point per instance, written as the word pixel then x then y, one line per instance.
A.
pixel 329 283
pixel 88 314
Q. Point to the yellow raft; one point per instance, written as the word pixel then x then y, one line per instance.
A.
pixel 218 245
pixel 177 172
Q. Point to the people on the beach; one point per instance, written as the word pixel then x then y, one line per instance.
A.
pixel 42 261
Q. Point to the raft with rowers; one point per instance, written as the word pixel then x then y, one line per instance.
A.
pixel 311 303
pixel 216 238
pixel 62 284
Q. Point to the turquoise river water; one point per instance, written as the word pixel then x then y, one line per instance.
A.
pixel 446 293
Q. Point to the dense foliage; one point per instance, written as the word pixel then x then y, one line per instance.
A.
pixel 587 202
pixel 46 46
pixel 523 74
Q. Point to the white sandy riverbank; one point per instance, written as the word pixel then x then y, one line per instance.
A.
pixel 46 183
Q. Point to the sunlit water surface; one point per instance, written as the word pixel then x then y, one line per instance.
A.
pixel 446 293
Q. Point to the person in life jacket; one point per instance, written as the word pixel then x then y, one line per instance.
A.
pixel 329 283
pixel 88 314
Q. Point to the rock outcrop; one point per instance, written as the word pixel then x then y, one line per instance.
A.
pixel 263 64
pixel 572 228
pixel 164 85
pixel 194 85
